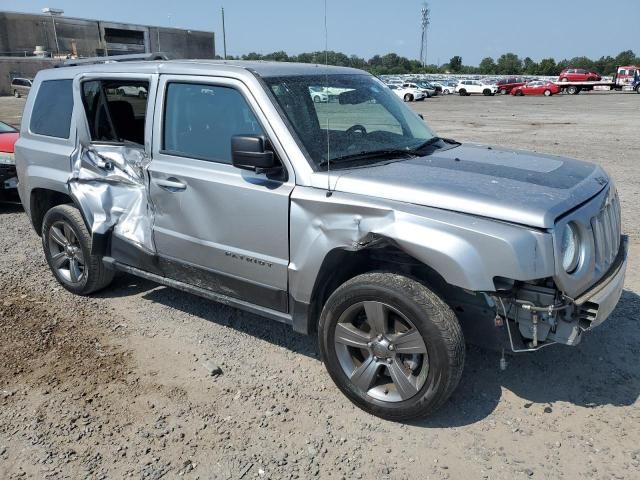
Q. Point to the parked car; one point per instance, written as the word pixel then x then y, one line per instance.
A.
pixel 319 94
pixel 21 86
pixel 468 87
pixel 507 84
pixel 428 91
pixel 537 87
pixel 447 88
pixel 578 75
pixel 8 180
pixel 132 91
pixel 395 245
pixel 408 94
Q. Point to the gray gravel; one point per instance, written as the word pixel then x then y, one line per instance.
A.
pixel 122 385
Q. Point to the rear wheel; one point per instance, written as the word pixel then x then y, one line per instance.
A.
pixel 408 97
pixel 565 79
pixel 462 92
pixel 638 89
pixel 392 346
pixel 573 90
pixel 547 93
pixel 67 248
pixel 16 94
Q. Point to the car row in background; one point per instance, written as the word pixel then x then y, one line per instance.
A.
pixel 8 179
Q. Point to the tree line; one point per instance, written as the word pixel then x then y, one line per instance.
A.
pixel 507 64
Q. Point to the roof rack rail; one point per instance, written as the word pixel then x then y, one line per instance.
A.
pixel 136 57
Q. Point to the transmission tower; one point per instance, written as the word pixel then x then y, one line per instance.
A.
pixel 424 23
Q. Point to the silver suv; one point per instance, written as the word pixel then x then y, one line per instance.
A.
pixel 346 216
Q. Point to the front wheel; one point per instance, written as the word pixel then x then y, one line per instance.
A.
pixel 638 89
pixel 547 93
pixel 16 94
pixel 408 97
pixel 391 345
pixel 462 92
pixel 67 248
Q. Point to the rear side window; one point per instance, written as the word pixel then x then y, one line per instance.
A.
pixel 116 110
pixel 199 121
pixel 51 114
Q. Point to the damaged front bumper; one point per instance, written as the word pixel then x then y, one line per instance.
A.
pixel 537 316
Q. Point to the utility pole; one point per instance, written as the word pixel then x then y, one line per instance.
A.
pixel 224 36
pixel 425 15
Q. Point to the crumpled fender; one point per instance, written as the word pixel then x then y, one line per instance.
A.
pixel 466 250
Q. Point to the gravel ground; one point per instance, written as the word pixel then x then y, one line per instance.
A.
pixel 146 382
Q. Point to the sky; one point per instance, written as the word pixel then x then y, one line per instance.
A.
pixel 473 29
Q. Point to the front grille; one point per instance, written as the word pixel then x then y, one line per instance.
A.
pixel 606 226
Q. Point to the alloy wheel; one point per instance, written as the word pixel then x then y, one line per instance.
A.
pixel 381 351
pixel 66 253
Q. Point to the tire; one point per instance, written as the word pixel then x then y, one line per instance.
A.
pixel 120 92
pixel 408 97
pixel 503 91
pixel 16 94
pixel 565 79
pixel 462 92
pixel 573 90
pixel 638 89
pixel 547 93
pixel 446 92
pixel 426 380
pixel 316 99
pixel 64 224
pixel 486 92
pixel 519 93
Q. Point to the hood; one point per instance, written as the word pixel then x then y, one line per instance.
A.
pixel 514 186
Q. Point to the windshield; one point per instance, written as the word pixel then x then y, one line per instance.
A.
pixel 358 116
pixel 4 128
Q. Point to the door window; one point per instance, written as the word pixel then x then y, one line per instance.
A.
pixel 116 109
pixel 199 121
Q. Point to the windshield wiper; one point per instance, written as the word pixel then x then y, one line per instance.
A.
pixel 388 152
pixel 433 141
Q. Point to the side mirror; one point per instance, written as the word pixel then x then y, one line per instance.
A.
pixel 248 152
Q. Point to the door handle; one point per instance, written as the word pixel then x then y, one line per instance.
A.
pixel 171 184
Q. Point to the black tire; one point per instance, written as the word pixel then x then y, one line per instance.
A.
pixel 548 93
pixel 95 276
pixel 565 79
pixel 436 323
pixel 120 92
pixel 462 92
pixel 638 89
pixel 408 97
pixel 486 92
pixel 16 94
pixel 573 90
pixel 316 99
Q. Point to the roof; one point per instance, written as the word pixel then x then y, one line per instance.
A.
pixel 200 67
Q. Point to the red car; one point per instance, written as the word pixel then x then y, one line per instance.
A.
pixel 579 75
pixel 536 88
pixel 8 180
pixel 507 84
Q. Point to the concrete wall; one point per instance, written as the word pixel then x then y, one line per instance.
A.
pixel 77 37
pixel 11 67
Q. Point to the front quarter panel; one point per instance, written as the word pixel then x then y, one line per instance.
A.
pixel 467 251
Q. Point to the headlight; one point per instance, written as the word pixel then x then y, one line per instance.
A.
pixel 7 158
pixel 570 248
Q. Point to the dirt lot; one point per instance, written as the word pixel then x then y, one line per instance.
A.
pixel 118 385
